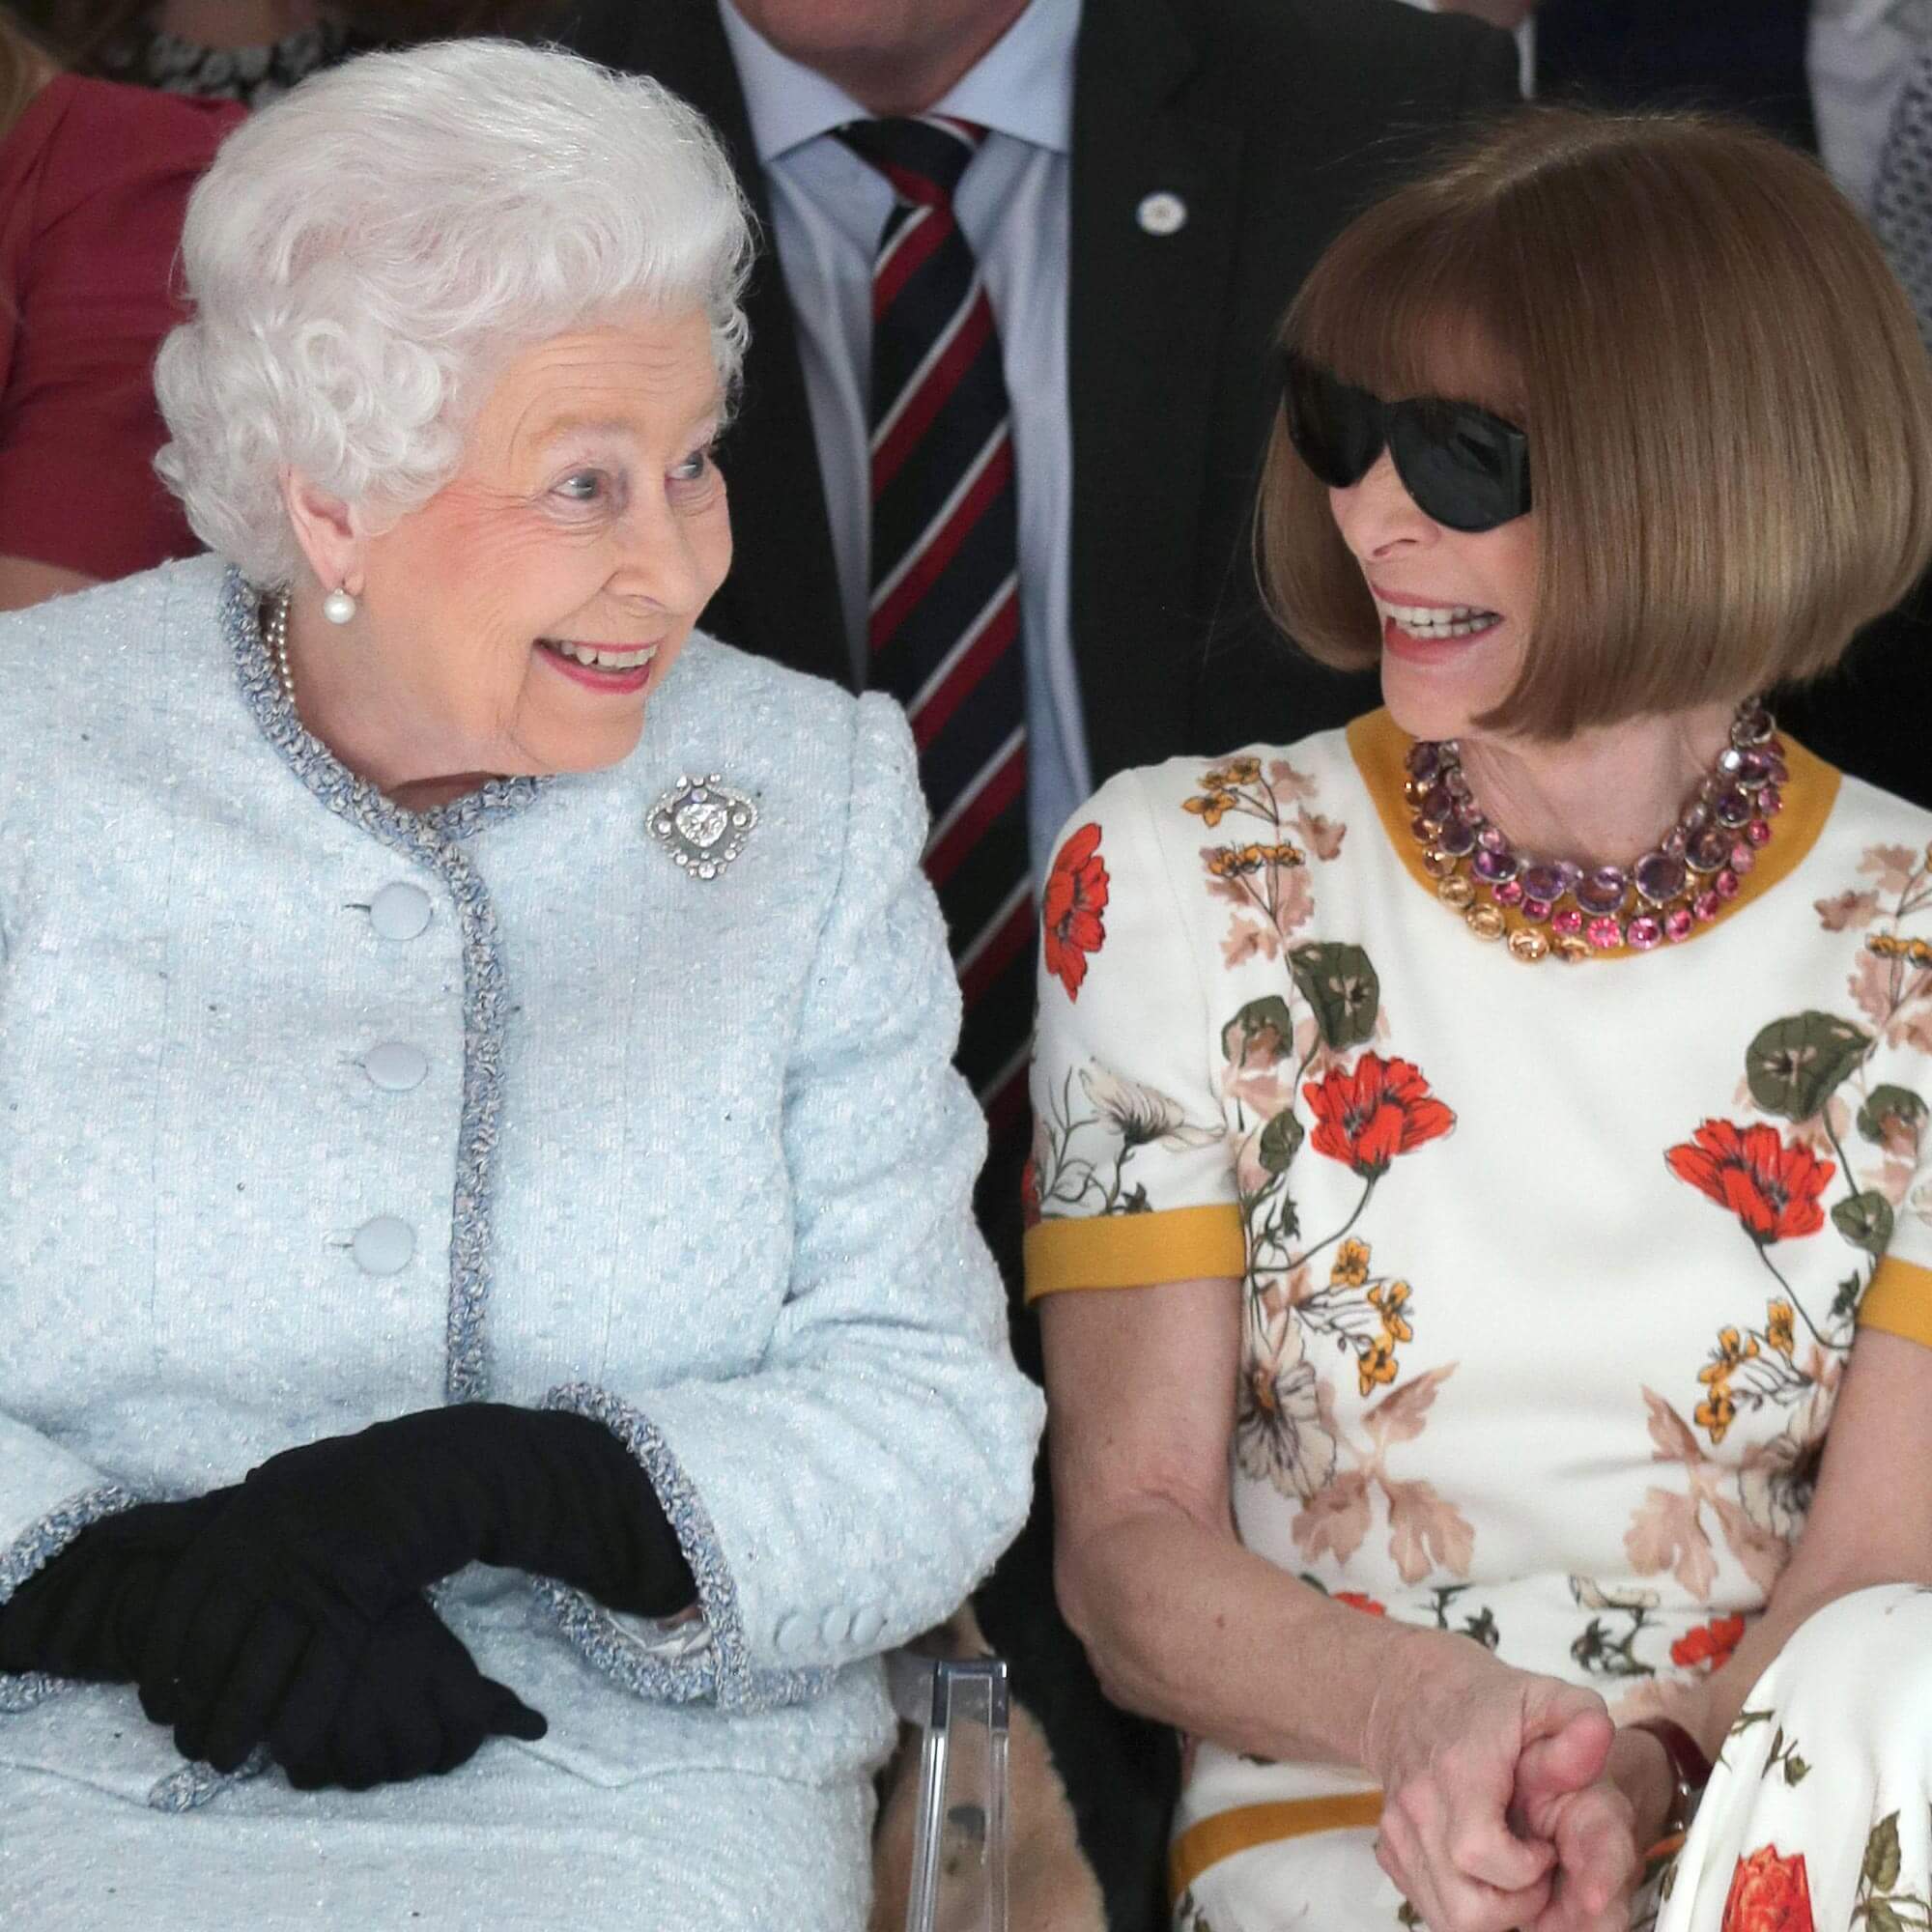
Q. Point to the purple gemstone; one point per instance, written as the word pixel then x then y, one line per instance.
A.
pixel 1425 761
pixel 1733 808
pixel 1758 832
pixel 1458 780
pixel 1770 802
pixel 1490 838
pixel 1674 841
pixel 1751 727
pixel 1535 910
pixel 1780 772
pixel 1494 867
pixel 1544 880
pixel 1603 891
pixel 1605 934
pixel 1661 876
pixel 1643 933
pixel 1730 761
pixel 1708 851
pixel 1437 804
pixel 1754 769
pixel 1507 891
pixel 1456 837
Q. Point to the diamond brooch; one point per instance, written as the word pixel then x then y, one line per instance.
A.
pixel 703 824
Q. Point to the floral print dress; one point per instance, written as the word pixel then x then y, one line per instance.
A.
pixel 1549 1273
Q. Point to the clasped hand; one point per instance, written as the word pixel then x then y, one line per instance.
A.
pixel 1510 1800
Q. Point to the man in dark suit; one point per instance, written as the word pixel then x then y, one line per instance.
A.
pixel 1145 185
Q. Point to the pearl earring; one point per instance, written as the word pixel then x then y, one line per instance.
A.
pixel 338 607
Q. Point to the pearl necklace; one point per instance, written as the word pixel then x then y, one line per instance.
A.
pixel 1539 906
pixel 275 635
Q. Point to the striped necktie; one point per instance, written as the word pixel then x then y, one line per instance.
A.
pixel 1902 195
pixel 944 629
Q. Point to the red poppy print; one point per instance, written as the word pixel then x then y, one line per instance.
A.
pixel 1372 1113
pixel 1772 1189
pixel 1356 1600
pixel 1070 915
pixel 1769 1894
pixel 1709 1643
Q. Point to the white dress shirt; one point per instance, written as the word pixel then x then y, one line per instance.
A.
pixel 828 210
pixel 1858 54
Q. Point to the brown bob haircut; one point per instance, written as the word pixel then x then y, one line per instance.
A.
pixel 1729 405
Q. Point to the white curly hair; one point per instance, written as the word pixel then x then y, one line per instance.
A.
pixel 364 255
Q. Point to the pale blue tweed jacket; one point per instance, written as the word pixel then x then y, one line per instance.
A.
pixel 687 1155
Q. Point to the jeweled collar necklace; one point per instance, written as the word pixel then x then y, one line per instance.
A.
pixel 1544 906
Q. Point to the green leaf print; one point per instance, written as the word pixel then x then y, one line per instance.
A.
pixel 1279 1140
pixel 1880 1870
pixel 1796 1064
pixel 1889 1110
pixel 1878 1914
pixel 1265 1024
pixel 1865 1221
pixel 1338 982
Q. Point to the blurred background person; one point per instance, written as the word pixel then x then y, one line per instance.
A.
pixel 94 180
pixel 1005 403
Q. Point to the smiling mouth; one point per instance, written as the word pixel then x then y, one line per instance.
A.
pixel 599 657
pixel 1438 623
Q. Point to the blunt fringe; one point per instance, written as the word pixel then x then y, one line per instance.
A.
pixel 366 253
pixel 1728 404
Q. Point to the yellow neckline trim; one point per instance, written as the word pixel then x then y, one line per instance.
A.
pixel 1246 1826
pixel 1378 746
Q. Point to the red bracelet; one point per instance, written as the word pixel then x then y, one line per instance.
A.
pixel 1689 1768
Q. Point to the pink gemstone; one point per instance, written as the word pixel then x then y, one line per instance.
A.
pixel 1535 910
pixel 1507 891
pixel 1570 919
pixel 1705 905
pixel 1643 933
pixel 1770 802
pixel 1678 924
pixel 1604 932
pixel 1742 859
pixel 1758 830
pixel 1727 883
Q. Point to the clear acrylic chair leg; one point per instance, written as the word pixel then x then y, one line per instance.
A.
pixel 960 1834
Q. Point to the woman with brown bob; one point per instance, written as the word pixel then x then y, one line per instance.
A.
pixel 1482 1190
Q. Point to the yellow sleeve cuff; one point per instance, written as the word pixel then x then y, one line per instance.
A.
pixel 1134 1250
pixel 1899 1300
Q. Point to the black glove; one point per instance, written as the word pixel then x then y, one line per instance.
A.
pixel 413 1706
pixel 86 1614
pixel 325 1540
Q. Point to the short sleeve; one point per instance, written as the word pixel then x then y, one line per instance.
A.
pixel 1887 1105
pixel 1130 1181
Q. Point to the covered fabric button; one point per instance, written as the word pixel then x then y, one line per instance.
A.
pixel 395 1067
pixel 1161 214
pixel 399 911
pixel 866 1623
pixel 384 1245
pixel 793 1633
pixel 836 1626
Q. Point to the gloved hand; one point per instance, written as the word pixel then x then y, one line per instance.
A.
pixel 415 1705
pixel 323 1541
pixel 85 1615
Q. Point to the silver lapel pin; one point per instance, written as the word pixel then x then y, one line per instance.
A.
pixel 703 824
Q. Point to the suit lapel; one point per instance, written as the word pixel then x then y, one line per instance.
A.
pixel 1145 311
pixel 781 598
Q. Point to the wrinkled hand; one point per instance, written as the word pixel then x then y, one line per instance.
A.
pixel 1446 1744
pixel 1599 1813
pixel 85 1615
pixel 413 1705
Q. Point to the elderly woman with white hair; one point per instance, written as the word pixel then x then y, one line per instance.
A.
pixel 487 1279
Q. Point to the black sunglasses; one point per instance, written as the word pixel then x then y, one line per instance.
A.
pixel 1462 466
